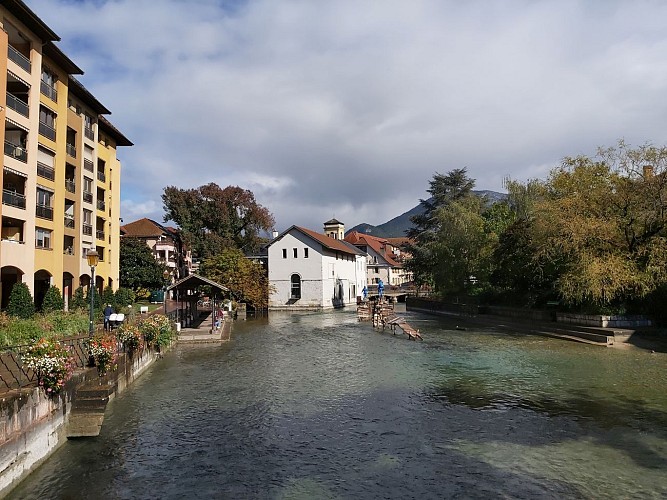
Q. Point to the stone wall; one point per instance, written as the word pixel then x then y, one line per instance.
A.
pixel 603 321
pixel 33 425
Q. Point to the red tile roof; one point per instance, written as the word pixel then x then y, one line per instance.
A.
pixel 144 228
pixel 325 241
pixel 379 245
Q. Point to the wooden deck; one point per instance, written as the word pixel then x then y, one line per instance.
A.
pixel 382 315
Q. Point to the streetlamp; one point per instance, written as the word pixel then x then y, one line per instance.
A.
pixel 93 259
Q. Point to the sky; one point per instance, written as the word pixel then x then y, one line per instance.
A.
pixel 346 109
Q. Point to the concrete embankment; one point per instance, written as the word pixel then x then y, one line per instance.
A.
pixel 33 425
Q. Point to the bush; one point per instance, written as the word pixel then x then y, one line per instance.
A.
pixel 79 300
pixel 109 297
pixel 53 300
pixel 157 330
pixel 130 337
pixel 123 297
pixel 21 304
pixel 58 324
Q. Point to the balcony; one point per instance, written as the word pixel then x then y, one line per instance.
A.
pixel 71 149
pixel 88 229
pixel 99 234
pixel 101 176
pixel 88 165
pixel 88 132
pixel 46 171
pixel 13 199
pixel 70 185
pixel 69 221
pixel 101 205
pixel 48 91
pixel 87 197
pixel 17 105
pixel 44 212
pixel 18 58
pixel 47 131
pixel 16 151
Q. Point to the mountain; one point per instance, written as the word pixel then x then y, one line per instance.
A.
pixel 397 226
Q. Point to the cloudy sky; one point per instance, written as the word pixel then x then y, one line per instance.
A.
pixel 347 108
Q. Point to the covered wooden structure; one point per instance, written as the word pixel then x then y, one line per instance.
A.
pixel 187 291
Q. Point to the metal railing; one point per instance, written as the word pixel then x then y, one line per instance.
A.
pixel 87 229
pixel 99 234
pixel 13 199
pixel 88 132
pixel 69 221
pixel 70 185
pixel 44 212
pixel 16 151
pixel 87 197
pixel 18 58
pixel 17 105
pixel 49 91
pixel 101 176
pixel 88 164
pixel 46 171
pixel 101 205
pixel 47 131
pixel 71 150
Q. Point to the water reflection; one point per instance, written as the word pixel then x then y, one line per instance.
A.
pixel 320 406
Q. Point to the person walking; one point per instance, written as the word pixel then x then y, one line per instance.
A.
pixel 108 311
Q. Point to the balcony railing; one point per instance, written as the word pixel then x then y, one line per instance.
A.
pixel 69 221
pixel 44 212
pixel 46 171
pixel 99 234
pixel 48 91
pixel 101 205
pixel 88 229
pixel 88 132
pixel 101 176
pixel 16 151
pixel 17 105
pixel 68 251
pixel 87 197
pixel 13 199
pixel 18 58
pixel 47 131
pixel 70 185
pixel 88 165
pixel 71 150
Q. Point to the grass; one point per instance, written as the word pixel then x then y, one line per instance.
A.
pixel 14 331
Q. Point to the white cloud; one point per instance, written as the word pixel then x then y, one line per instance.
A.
pixel 350 107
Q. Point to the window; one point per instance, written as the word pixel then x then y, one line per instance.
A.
pixel 295 282
pixel 87 216
pixel 284 253
pixel 295 252
pixel 305 253
pixel 42 238
pixel 44 197
pixel 87 185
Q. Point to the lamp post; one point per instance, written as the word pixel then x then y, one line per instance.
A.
pixel 93 259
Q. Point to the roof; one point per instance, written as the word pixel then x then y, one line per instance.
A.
pixel 77 88
pixel 120 139
pixel 379 245
pixel 23 13
pixel 324 240
pixel 193 281
pixel 333 222
pixel 60 59
pixel 144 228
pixel 399 241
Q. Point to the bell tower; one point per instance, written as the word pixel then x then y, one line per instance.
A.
pixel 334 229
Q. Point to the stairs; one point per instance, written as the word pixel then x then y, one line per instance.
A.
pixel 88 407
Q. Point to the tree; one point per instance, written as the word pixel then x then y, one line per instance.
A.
pixel 212 218
pixel 21 304
pixel 78 300
pixel 138 268
pixel 53 300
pixel 246 279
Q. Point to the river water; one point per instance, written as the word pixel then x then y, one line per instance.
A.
pixel 317 405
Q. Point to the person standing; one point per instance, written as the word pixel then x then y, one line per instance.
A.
pixel 108 311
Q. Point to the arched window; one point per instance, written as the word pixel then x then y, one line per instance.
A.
pixel 296 286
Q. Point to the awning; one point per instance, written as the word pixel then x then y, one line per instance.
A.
pixel 15 172
pixel 194 281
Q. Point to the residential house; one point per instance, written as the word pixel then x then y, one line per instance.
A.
pixel 385 260
pixel 60 171
pixel 310 270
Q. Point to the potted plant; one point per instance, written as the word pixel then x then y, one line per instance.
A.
pixel 52 363
pixel 103 348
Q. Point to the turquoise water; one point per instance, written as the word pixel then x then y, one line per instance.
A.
pixel 317 405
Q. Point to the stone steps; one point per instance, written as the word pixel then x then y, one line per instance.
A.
pixel 88 408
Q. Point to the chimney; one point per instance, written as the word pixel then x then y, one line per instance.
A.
pixel 648 171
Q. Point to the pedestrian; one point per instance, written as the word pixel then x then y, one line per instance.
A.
pixel 108 311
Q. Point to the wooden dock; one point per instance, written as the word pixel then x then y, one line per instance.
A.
pixel 382 315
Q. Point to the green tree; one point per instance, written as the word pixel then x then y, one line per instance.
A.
pixel 138 267
pixel 246 279
pixel 212 218
pixel 108 297
pixel 78 300
pixel 53 300
pixel 124 297
pixel 21 304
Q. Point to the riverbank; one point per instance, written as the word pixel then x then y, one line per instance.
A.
pixel 34 425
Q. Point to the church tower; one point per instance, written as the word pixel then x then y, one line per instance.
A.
pixel 334 229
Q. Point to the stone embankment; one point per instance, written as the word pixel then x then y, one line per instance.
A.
pixel 33 425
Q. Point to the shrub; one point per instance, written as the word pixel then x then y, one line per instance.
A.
pixel 157 330
pixel 52 363
pixel 109 297
pixel 130 337
pixel 103 348
pixel 58 324
pixel 21 304
pixel 78 300
pixel 53 300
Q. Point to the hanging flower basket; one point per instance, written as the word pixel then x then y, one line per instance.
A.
pixel 52 363
pixel 103 348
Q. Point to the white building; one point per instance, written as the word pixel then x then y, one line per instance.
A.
pixel 310 270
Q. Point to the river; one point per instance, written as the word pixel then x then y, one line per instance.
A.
pixel 318 405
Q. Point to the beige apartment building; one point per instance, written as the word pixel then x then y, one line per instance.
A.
pixel 60 172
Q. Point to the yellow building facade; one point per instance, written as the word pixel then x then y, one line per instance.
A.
pixel 61 174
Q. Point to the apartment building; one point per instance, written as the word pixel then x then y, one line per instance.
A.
pixel 60 172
